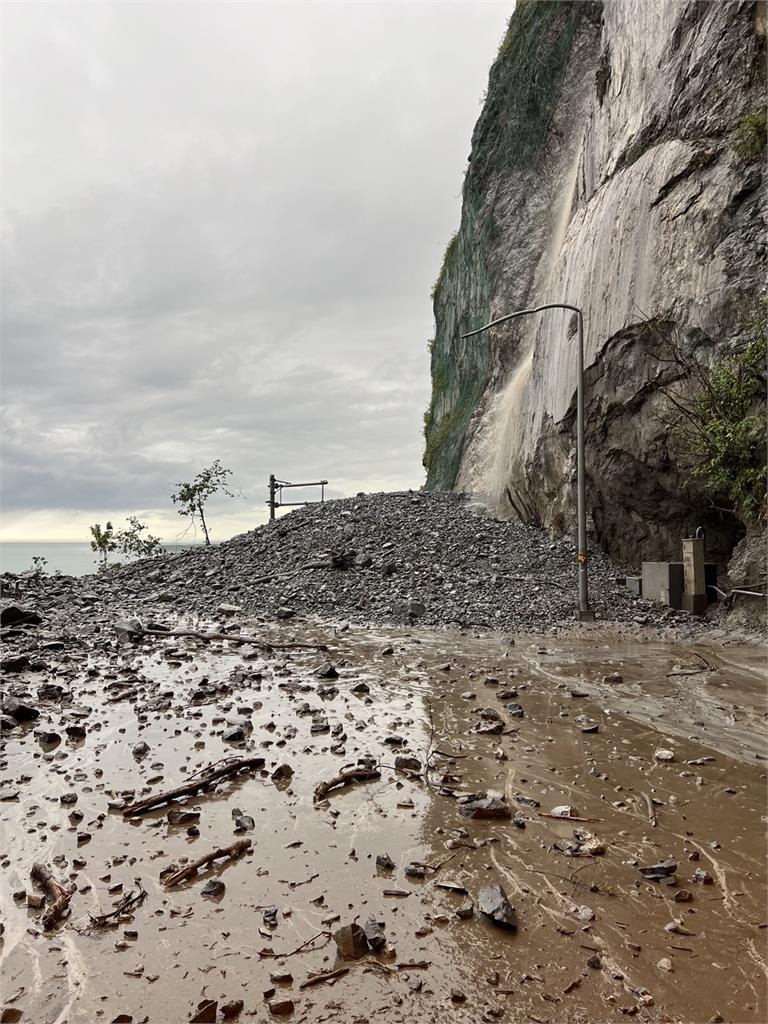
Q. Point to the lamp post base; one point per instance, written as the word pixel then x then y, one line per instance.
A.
pixel 587 615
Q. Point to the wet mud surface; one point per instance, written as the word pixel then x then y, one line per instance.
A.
pixel 596 941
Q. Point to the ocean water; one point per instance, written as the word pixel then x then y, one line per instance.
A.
pixel 71 558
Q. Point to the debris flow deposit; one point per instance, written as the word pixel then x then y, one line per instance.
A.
pixel 236 787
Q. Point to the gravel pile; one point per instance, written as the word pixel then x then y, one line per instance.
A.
pixel 406 557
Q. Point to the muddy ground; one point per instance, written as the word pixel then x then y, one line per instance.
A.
pixel 596 941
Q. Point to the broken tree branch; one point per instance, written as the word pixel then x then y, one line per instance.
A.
pixel 230 852
pixel 60 894
pixel 209 776
pixel 319 979
pixel 345 778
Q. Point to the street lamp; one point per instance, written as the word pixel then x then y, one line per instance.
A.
pixel 584 612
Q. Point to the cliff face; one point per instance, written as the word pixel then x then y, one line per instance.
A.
pixel 603 174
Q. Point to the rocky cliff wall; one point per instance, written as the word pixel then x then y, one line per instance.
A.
pixel 603 174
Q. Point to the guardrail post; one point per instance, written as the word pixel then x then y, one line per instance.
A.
pixel 271 501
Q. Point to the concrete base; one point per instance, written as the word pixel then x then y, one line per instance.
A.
pixel 696 603
pixel 585 616
pixel 635 585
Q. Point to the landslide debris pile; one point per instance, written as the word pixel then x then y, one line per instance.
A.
pixel 405 557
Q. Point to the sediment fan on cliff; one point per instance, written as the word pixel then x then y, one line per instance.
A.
pixel 408 557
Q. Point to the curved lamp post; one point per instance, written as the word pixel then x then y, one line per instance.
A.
pixel 584 612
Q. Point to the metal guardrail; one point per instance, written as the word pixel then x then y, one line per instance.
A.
pixel 276 488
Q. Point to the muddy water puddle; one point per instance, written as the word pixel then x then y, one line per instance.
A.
pixel 592 942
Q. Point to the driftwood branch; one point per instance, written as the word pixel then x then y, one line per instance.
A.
pixel 345 778
pixel 189 870
pixel 237 638
pixel 60 894
pixel 207 778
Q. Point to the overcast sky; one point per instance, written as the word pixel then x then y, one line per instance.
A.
pixel 221 224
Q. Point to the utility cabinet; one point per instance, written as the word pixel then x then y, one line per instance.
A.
pixel 664 582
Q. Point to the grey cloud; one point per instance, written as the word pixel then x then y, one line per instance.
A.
pixel 221 225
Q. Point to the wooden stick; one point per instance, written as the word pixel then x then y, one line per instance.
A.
pixel 236 637
pixel 319 979
pixel 231 852
pixel 60 894
pixel 345 779
pixel 266 953
pixel 209 776
pixel 563 817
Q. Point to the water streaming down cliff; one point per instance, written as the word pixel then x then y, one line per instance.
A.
pixel 602 174
pixel 499 441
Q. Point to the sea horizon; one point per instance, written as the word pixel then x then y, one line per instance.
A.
pixel 69 557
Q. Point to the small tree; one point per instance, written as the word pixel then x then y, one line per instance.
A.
pixel 134 545
pixel 103 543
pixel 192 497
pixel 39 563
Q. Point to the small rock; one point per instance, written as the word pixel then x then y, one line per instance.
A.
pixel 206 1012
pixel 213 888
pixel 327 671
pixel 351 942
pixel 564 811
pixel 407 764
pixel 128 628
pixel 374 933
pixel 484 806
pixel 179 816
pixel 664 755
pixel 415 871
pixel 492 902
pixel 235 734
pixel 665 869
pixel 19 711
pixel 281 1007
pixel 233 1009
pixel 702 877
pixel 14 615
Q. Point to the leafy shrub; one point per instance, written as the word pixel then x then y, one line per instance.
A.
pixel 749 139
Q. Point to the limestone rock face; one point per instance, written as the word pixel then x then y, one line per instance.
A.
pixel 602 174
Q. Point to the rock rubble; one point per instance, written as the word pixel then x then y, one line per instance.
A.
pixel 402 558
